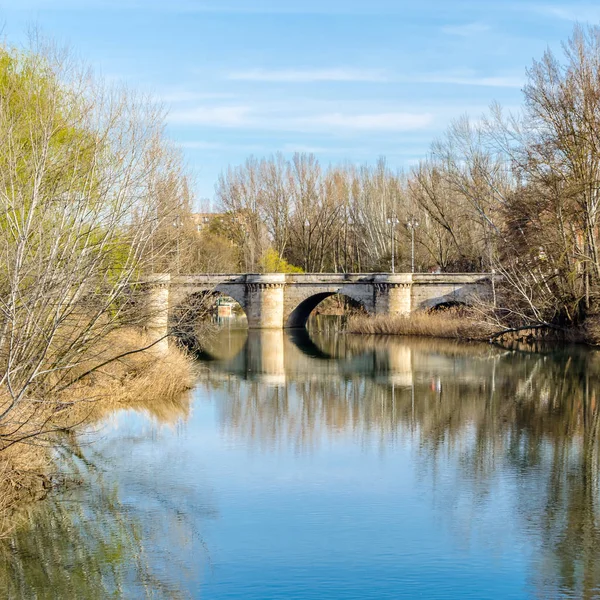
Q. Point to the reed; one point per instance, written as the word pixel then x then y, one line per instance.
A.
pixel 451 323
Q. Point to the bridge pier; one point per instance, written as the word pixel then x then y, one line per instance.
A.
pixel 266 355
pixel 264 301
pixel 157 306
pixel 393 294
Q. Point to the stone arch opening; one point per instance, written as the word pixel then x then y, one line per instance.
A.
pixel 201 311
pixel 299 316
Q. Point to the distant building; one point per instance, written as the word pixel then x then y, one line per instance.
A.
pixel 202 220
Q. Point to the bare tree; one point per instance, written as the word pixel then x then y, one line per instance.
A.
pixel 241 194
pixel 81 166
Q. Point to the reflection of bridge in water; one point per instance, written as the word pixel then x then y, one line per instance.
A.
pixel 275 357
pixel 489 430
pixel 294 390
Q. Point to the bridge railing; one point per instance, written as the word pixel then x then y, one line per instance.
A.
pixel 241 278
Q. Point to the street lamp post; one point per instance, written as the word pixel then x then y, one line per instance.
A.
pixel 392 222
pixel 177 225
pixel 307 248
pixel 412 224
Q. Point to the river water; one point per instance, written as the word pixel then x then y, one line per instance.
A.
pixel 333 466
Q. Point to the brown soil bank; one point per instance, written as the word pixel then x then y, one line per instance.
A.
pixel 150 381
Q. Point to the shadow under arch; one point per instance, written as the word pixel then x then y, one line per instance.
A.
pixel 247 341
pixel 246 353
pixel 302 339
pixel 443 305
pixel 299 316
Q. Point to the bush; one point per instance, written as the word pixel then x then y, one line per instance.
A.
pixel 271 262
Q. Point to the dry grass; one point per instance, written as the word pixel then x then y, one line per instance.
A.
pixel 150 381
pixel 23 479
pixel 590 332
pixel 451 323
pixel 156 383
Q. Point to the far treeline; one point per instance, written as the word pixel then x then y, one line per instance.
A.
pixel 516 195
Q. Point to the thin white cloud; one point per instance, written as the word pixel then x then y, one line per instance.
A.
pixel 508 81
pixel 454 77
pixel 243 117
pixel 215 116
pixel 202 145
pixel 387 147
pixel 310 75
pixel 290 148
pixel 307 149
pixel 180 96
pixel 466 30
pixel 218 146
pixel 327 7
pixel 388 121
pixel 287 148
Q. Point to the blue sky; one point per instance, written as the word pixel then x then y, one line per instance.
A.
pixel 349 80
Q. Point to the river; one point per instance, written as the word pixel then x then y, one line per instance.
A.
pixel 333 466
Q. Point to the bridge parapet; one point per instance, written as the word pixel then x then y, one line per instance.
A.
pixel 304 278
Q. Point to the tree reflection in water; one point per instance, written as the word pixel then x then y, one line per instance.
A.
pixel 96 540
pixel 483 414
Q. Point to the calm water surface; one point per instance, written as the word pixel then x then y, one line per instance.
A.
pixel 329 466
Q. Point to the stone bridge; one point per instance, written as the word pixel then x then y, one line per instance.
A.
pixel 277 301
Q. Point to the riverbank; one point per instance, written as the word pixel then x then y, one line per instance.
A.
pixel 153 381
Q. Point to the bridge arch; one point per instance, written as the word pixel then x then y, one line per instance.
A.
pixel 233 291
pixel 188 296
pixel 460 290
pixel 299 314
pixel 186 308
